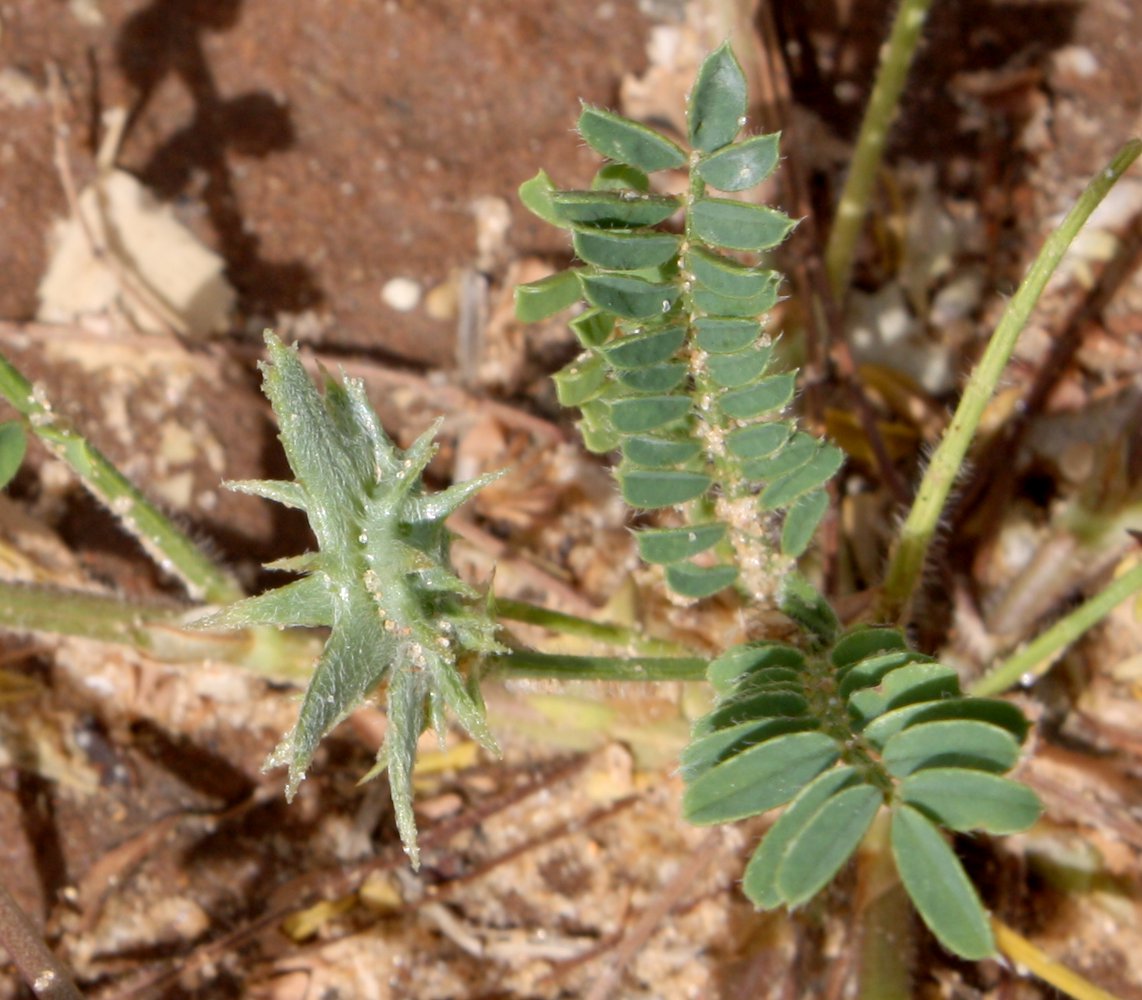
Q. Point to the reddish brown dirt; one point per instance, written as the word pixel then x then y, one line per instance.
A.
pixel 324 149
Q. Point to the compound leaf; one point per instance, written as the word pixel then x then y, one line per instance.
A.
pixel 937 885
pixel 671 545
pixel 738 225
pixel 627 209
pixel 760 879
pixel 539 299
pixel 629 296
pixel 742 165
pixel 13 445
pixel 801 522
pixel 954 743
pixel 964 799
pixel 623 249
pixel 717 106
pixel 697 582
pixel 826 842
pixel 651 489
pixel 758 779
pixel 624 141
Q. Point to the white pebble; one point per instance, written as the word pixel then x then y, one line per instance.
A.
pixel 401 294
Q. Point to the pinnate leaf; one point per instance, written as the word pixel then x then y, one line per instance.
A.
pixel 624 141
pixel 964 799
pixel 717 106
pixel 537 195
pixel 670 545
pixel 737 225
pixel 826 842
pixel 626 209
pixel 539 299
pixel 801 522
pixel 742 165
pixel 629 296
pixel 761 875
pixel 759 778
pixel 13 444
pixel 938 886
pixel 623 249
pixel 691 580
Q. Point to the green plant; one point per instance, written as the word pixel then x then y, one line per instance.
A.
pixel 675 371
pixel 678 375
pixel 380 579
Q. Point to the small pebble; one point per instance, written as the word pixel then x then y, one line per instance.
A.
pixel 401 294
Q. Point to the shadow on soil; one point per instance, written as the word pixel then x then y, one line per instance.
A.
pixel 164 39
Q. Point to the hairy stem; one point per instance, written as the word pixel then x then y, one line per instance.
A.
pixel 1036 658
pixel 603 632
pixel 528 665
pixel 170 548
pixel 896 58
pixel 911 548
pixel 155 629
pixel 887 933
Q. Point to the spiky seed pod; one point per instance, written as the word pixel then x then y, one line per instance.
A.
pixel 380 579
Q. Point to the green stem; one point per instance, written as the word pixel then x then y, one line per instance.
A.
pixel 528 665
pixel 911 547
pixel 886 924
pixel 156 629
pixel 172 550
pixel 895 60
pixel 26 607
pixel 1036 658
pixel 604 632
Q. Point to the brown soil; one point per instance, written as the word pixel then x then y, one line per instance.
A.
pixel 326 149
